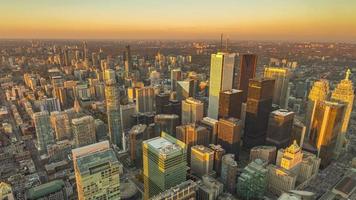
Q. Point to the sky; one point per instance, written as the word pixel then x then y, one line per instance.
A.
pixel 295 20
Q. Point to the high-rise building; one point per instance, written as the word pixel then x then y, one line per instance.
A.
pixel 201 160
pixel 44 132
pixel 248 64
pixel 192 110
pixel 230 103
pixel 96 170
pixel 61 126
pixel 164 164
pixel 318 93
pixel 326 126
pixel 290 158
pixel 113 108
pixel 212 126
pixel 281 76
pixel 266 153
pixel 229 172
pixel 219 152
pixel 344 92
pixel 126 113
pixel 166 123
pixel 185 89
pixel 128 61
pixel 252 183
pixel 279 129
pixel 84 130
pixel 162 101
pixel 137 135
pixel 192 134
pixel 145 99
pixel 298 133
pixel 221 78
pixel 259 106
pixel 176 75
pixel 229 135
pixel 209 188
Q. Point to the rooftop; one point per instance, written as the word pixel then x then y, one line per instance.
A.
pixel 45 189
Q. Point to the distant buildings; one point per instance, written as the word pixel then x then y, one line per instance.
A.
pixel 164 164
pixel 281 76
pixel 44 132
pixel 221 78
pixel 96 171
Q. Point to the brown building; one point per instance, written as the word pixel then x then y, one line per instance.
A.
pixel 279 129
pixel 137 135
pixel 229 135
pixel 218 154
pixel 248 64
pixel 230 102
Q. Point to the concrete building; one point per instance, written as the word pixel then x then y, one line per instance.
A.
pixel 61 125
pixel 54 190
pixel 229 172
pixel 281 76
pixel 209 188
pixel 192 111
pixel 44 132
pixel 265 153
pixel 279 129
pixel 96 170
pixel 184 191
pixel 201 160
pixel 84 131
pixel 290 158
pixel 219 152
pixel 126 113
pixel 221 78
pixel 164 164
pixel 166 123
pixel 145 99
pixel 212 126
pixel 137 135
pixel 280 180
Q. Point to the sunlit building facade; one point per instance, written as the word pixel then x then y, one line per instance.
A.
pixel 280 92
pixel 192 111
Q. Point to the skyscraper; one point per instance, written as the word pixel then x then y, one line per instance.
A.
pixel 166 123
pixel 259 105
pixel 212 126
pixel 185 89
pixel 128 61
pixel 137 135
pixel 229 135
pixel 96 170
pixel 84 130
pixel 344 92
pixel 229 172
pixel 218 154
pixel 221 78
pixel 176 75
pixel 281 76
pixel 279 129
pixel 145 99
pixel 44 132
pixel 201 160
pixel 317 94
pixel 230 103
pixel 113 108
pixel 248 64
pixel 192 110
pixel 164 164
pixel 162 102
pixel 61 126
pixel 325 128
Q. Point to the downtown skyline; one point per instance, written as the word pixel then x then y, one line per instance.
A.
pixel 318 20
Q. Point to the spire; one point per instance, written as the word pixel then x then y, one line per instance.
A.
pixel 348 73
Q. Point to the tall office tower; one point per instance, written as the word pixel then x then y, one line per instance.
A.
pixel 145 99
pixel 221 78
pixel 52 104
pixel 128 61
pixel 44 132
pixel 229 135
pixel 164 164
pixel 113 108
pixel 84 130
pixel 229 172
pixel 176 75
pixel 96 170
pixel 201 160
pixel 248 64
pixel 61 126
pixel 259 106
pixel 281 76
pixel 184 191
pixel 252 183
pixel 280 180
pixel 230 103
pixel 162 101
pixel 101 132
pixel 85 51
pixel 318 93
pixel 209 188
pixel 298 133
pixel 137 135
pixel 344 92
pixel 266 153
pixel 192 111
pixel 279 129
pixel 166 123
pixel 212 126
pixel 326 125
pixel 290 158
pixel 185 89
pixel 126 113
pixel 218 154
pixel 192 134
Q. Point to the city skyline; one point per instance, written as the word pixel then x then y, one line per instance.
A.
pixel 239 20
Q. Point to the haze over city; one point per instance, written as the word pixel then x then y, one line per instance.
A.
pixel 294 20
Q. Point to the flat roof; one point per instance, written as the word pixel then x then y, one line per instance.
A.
pixel 346 186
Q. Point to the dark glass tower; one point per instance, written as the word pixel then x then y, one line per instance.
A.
pixel 248 64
